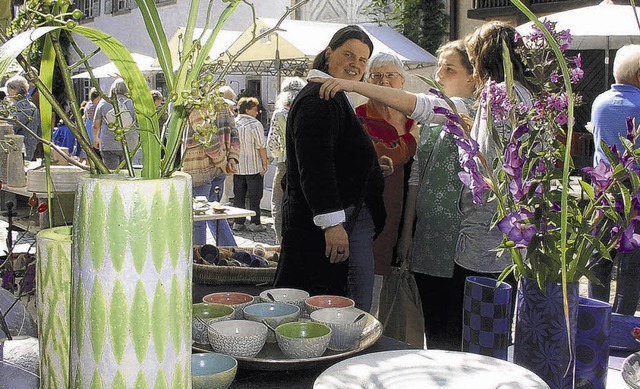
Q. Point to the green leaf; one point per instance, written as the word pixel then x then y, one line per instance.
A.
pixel 153 24
pixel 140 94
pixel 10 50
pixel 587 189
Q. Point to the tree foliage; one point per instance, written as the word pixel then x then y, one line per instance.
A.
pixel 422 21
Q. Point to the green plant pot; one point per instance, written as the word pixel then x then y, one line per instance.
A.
pixel 53 280
pixel 132 254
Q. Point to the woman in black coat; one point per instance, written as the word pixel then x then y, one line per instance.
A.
pixel 332 206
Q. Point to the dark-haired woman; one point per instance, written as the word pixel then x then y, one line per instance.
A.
pixel 333 200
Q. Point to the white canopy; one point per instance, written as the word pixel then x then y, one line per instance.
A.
pixel 109 70
pixel 297 39
pixel 603 26
pixel 296 43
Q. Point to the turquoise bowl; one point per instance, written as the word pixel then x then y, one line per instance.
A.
pixel 212 370
pixel 273 314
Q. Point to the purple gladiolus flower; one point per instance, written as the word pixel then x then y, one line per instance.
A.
pixel 554 77
pixel 577 74
pixel 476 183
pixel 600 175
pixel 562 119
pixel 630 127
pixel 520 131
pixel 436 92
pixel 513 161
pixel 557 102
pixel 515 226
pixel 577 60
pixel 516 189
pixel 447 113
pixel 555 207
pixel 629 240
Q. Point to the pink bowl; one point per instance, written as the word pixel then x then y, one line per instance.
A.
pixel 327 301
pixel 233 299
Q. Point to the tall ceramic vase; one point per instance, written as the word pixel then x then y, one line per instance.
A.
pixel 592 344
pixel 131 283
pixel 541 342
pixel 486 314
pixel 53 299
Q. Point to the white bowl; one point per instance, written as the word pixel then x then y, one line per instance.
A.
pixel 345 334
pixel 238 338
pixel 286 295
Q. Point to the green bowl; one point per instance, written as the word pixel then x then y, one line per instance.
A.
pixel 303 339
pixel 212 370
pixel 209 313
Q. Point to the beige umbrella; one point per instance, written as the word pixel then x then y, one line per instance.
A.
pixel 109 70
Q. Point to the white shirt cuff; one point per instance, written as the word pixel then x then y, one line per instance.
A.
pixel 326 220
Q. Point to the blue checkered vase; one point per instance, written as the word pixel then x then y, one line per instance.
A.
pixel 485 318
pixel 592 344
pixel 541 343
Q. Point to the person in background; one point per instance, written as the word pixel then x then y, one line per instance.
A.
pixel 158 101
pixel 333 205
pixel 104 137
pixel 89 113
pixel 476 240
pixel 394 136
pixel 608 118
pixel 290 88
pixel 248 181
pixel 26 114
pixel 208 166
pixel 432 204
pixel 230 97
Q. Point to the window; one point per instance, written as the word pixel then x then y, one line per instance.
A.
pixel 89 8
pixel 162 2
pixel 120 6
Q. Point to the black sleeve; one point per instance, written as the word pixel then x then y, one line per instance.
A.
pixel 317 131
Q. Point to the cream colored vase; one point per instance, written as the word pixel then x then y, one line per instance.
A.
pixel 53 277
pixel 131 283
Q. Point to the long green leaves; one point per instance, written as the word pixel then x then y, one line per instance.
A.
pixel 139 91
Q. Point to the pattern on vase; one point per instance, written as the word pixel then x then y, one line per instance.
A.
pixel 541 342
pixel 53 300
pixel 132 283
pixel 592 344
pixel 486 317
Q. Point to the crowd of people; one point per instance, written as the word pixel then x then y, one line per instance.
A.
pixel 358 188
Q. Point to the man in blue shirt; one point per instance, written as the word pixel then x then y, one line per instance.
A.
pixel 608 118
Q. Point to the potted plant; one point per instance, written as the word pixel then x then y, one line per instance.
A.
pixel 130 303
pixel 551 225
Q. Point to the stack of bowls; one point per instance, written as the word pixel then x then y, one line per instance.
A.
pixel 238 338
pixel 272 314
pixel 205 315
pixel 233 299
pixel 345 333
pixel 212 370
pixel 303 339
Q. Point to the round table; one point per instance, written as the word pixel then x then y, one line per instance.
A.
pixel 427 369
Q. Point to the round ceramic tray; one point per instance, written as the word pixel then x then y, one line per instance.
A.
pixel 271 358
pixel 631 371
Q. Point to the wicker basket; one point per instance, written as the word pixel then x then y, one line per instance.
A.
pixel 621 332
pixel 235 275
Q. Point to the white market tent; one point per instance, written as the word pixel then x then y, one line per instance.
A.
pixel 109 70
pixel 292 47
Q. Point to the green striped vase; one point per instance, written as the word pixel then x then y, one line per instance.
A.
pixel 53 277
pixel 131 288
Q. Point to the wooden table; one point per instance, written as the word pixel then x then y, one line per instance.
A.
pixel 229 213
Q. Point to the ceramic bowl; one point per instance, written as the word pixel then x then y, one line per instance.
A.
pixel 209 313
pixel 273 314
pixel 212 370
pixel 286 295
pixel 238 338
pixel 344 332
pixel 631 370
pixel 233 299
pixel 314 303
pixel 303 339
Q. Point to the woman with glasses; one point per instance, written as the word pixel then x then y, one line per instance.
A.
pixel 394 136
pixel 332 204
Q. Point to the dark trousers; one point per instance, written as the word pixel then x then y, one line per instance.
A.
pixel 248 186
pixel 627 281
pixel 441 309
